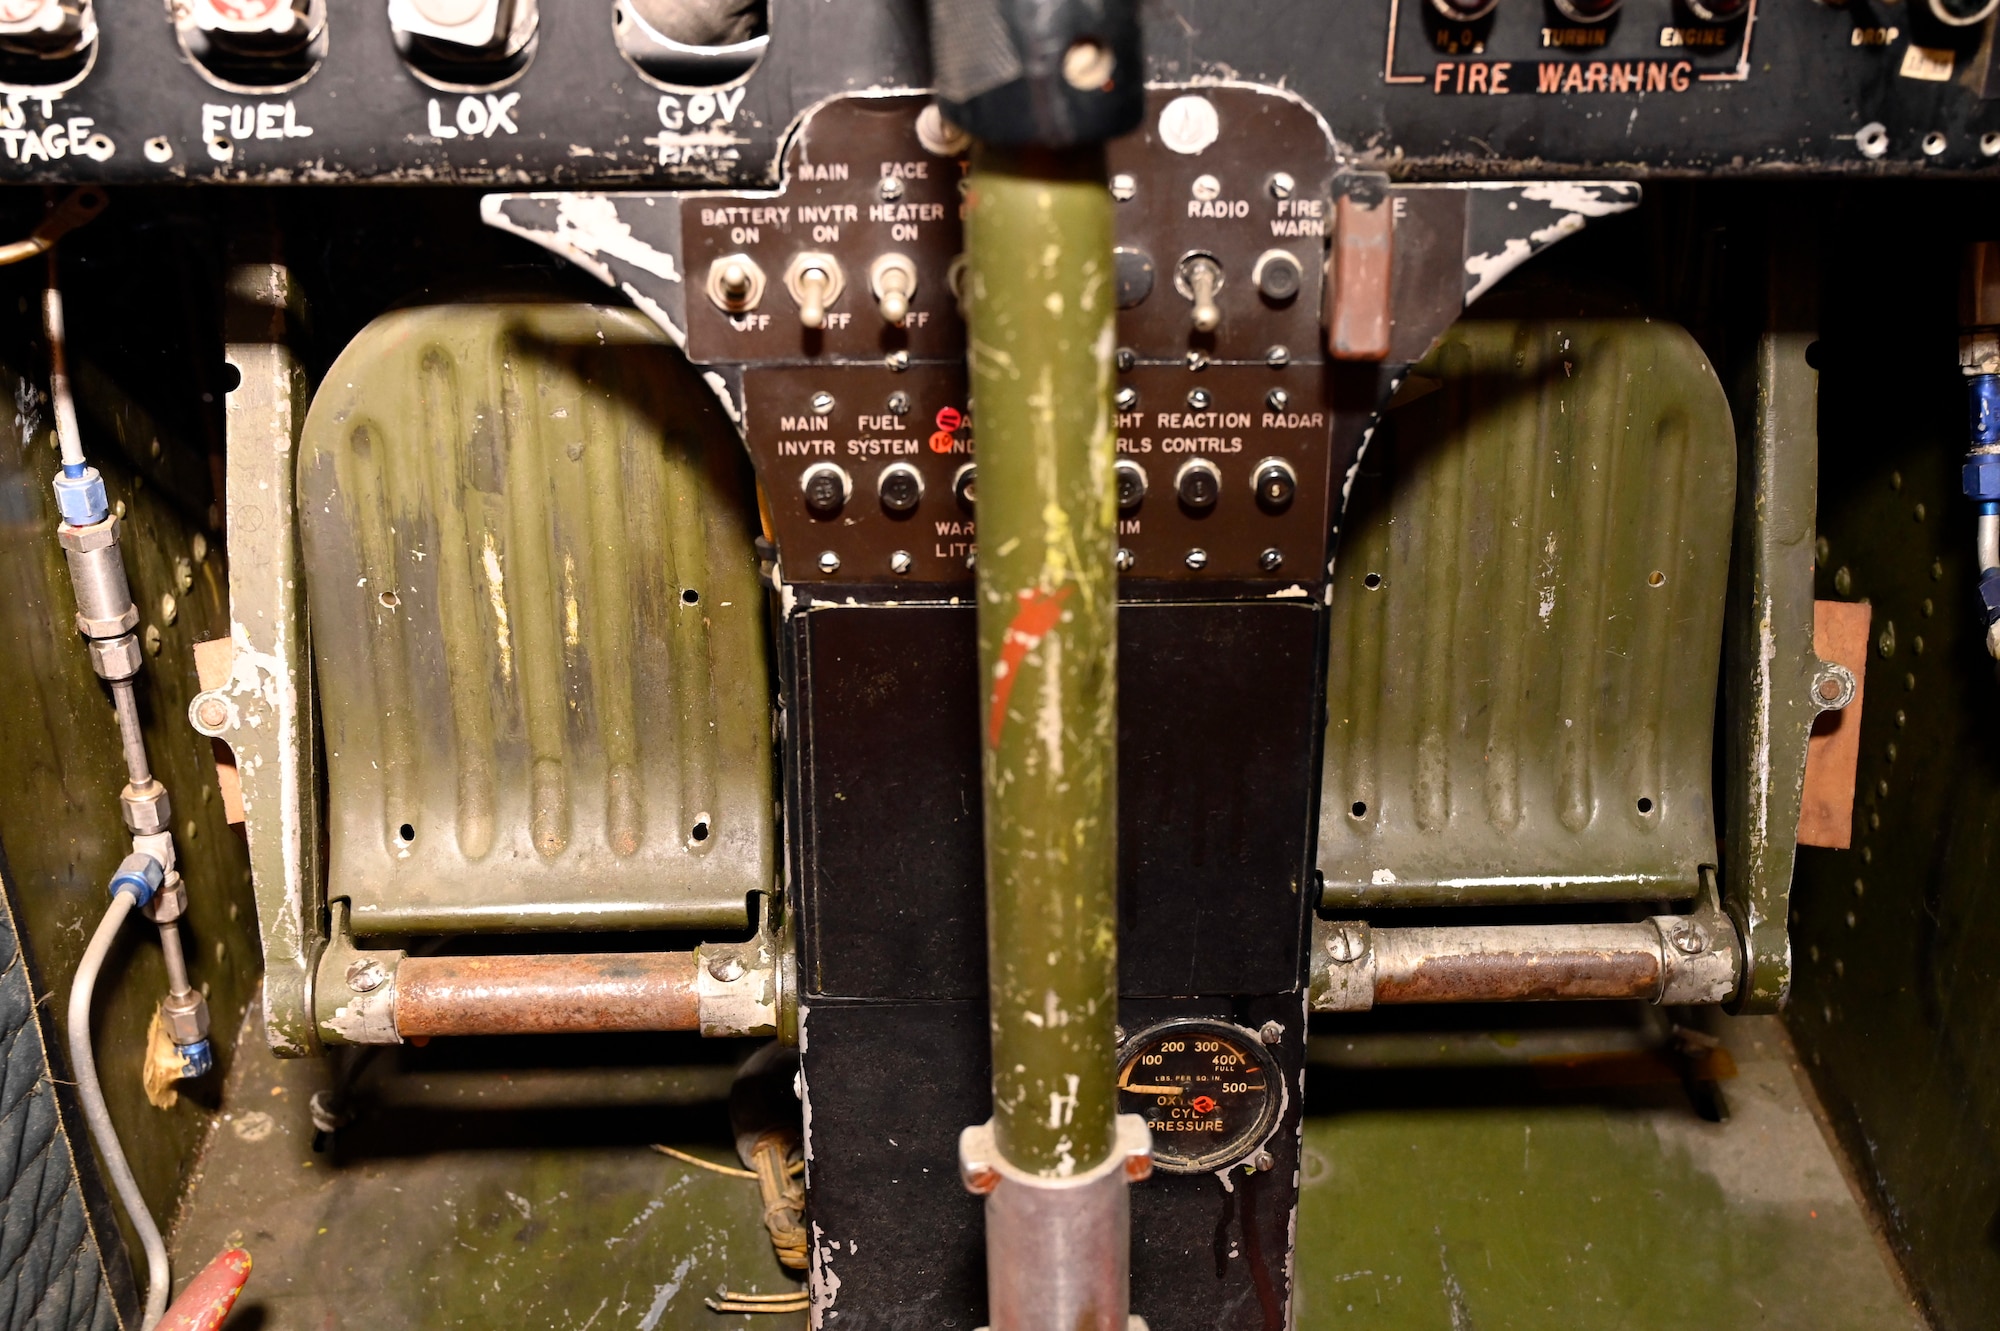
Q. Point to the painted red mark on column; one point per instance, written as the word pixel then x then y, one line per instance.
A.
pixel 1037 614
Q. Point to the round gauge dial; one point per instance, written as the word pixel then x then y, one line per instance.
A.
pixel 1210 1092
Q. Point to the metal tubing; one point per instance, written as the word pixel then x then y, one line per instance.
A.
pixel 1517 963
pixel 1038 238
pixel 68 438
pixel 1988 537
pixel 175 958
pixel 83 1063
pixel 547 995
pixel 137 767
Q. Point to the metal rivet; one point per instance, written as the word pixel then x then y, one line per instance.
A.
pixel 365 975
pixel 213 713
pixel 900 562
pixel 829 562
pixel 822 403
pixel 1197 558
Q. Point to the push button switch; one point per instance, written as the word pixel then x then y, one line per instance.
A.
pixel 826 489
pixel 1198 484
pixel 1131 481
pixel 900 488
pixel 1277 485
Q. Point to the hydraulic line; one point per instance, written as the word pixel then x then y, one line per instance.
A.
pixel 1979 362
pixel 134 885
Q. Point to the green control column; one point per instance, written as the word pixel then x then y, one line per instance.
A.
pixel 1055 1160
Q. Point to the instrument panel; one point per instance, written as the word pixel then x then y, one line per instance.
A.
pixel 642 92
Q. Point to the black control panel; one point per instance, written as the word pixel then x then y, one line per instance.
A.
pixel 638 92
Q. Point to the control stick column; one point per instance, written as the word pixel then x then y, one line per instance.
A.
pixel 1055 1160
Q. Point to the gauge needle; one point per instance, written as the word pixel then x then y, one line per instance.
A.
pixel 1153 1090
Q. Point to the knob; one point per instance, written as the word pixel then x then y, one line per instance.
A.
pixel 1199 278
pixel 1464 11
pixel 893 279
pixel 900 487
pixel 1717 11
pixel 962 487
pixel 815 282
pixel 1134 269
pixel 826 489
pixel 1587 11
pixel 46 41
pixel 1130 479
pixel 1276 484
pixel 735 283
pixel 1278 277
pixel 464 42
pixel 1198 484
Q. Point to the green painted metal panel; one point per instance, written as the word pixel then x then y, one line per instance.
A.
pixel 1527 623
pixel 538 628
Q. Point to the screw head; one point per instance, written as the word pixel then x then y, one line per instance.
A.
pixel 1282 185
pixel 900 562
pixel 1128 398
pixel 897 361
pixel 1124 186
pixel 891 188
pixel 1197 558
pixel 365 975
pixel 1271 1032
pixel 1271 560
pixel 1206 187
pixel 1278 357
pixel 1277 399
pixel 1126 559
pixel 1126 358
pixel 1198 399
pixel 725 969
pixel 1345 944
pixel 822 403
pixel 213 713
pixel 899 403
pixel 1263 1161
pixel 1691 941
pixel 829 562
pixel 1197 360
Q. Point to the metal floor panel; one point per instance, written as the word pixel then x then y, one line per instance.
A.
pixel 475 1194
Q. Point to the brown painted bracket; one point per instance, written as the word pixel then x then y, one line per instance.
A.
pixel 213 661
pixel 1826 807
pixel 1360 267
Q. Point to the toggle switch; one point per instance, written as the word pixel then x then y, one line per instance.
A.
pixel 815 281
pixel 1198 278
pixel 964 487
pixel 892 279
pixel 735 283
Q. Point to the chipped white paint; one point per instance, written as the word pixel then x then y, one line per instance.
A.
pixel 496 596
pixel 1062 1104
pixel 822 1282
pixel 368 1018
pixel 1587 200
pixel 663 1295
pixel 1382 878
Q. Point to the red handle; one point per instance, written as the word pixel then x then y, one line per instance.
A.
pixel 210 1295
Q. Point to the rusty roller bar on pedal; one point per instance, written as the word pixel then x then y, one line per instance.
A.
pixel 547 995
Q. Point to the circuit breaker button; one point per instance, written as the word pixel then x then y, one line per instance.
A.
pixel 1277 485
pixel 1198 484
pixel 826 488
pixel 1278 277
pixel 1130 478
pixel 900 487
pixel 1134 269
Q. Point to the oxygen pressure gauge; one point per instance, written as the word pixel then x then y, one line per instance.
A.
pixel 1211 1092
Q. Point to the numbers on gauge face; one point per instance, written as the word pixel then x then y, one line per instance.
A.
pixel 1208 1090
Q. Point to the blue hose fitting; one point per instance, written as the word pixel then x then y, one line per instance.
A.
pixel 139 874
pixel 197 1059
pixel 80 497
